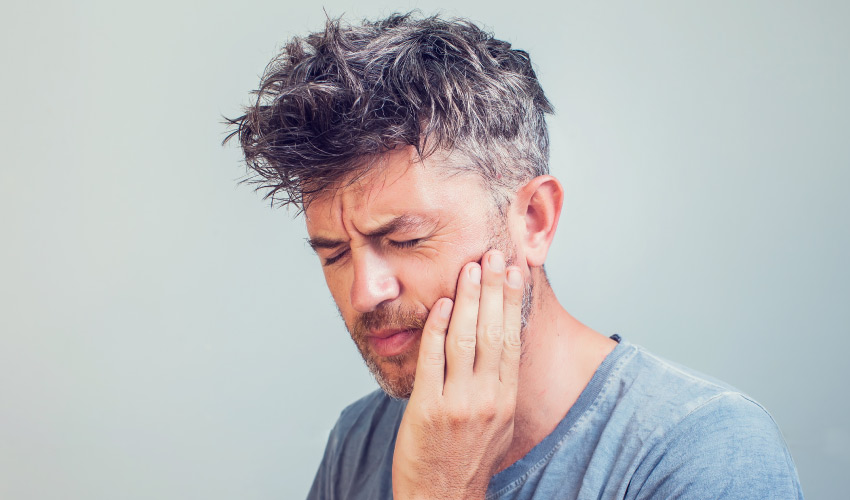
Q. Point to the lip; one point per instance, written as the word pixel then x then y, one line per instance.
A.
pixel 392 342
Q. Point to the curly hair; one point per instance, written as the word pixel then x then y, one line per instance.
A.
pixel 333 100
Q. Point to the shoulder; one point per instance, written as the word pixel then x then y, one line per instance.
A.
pixel 375 416
pixel 368 407
pixel 358 457
pixel 663 393
pixel 666 382
pixel 709 440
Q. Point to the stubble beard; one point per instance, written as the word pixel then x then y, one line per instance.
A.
pixel 395 374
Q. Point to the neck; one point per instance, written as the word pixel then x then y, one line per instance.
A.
pixel 560 356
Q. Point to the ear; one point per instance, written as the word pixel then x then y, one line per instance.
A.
pixel 537 209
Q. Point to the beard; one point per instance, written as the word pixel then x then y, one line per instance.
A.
pixel 395 374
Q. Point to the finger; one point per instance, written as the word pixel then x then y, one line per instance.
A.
pixel 460 340
pixel 431 365
pixel 489 331
pixel 512 347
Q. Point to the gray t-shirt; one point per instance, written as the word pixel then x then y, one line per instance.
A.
pixel 642 428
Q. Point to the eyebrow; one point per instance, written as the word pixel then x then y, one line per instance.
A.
pixel 402 223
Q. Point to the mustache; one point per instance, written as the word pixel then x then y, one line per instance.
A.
pixel 399 317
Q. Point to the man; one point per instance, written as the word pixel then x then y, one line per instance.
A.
pixel 417 150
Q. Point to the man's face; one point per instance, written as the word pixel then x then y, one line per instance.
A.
pixel 393 243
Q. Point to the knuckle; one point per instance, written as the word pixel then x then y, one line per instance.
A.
pixel 459 415
pixel 513 340
pixel 513 298
pixel 494 333
pixel 465 342
pixel 434 358
pixel 494 282
pixel 488 410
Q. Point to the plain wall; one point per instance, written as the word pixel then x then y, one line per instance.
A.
pixel 165 334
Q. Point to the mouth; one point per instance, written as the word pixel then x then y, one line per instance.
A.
pixel 392 342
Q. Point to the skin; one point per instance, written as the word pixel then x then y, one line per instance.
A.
pixel 477 405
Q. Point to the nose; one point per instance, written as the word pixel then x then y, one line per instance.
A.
pixel 374 282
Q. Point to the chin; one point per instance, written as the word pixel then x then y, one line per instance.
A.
pixel 394 375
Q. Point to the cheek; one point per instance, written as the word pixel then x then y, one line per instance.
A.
pixel 431 280
pixel 340 288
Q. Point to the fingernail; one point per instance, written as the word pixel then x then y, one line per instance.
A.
pixel 446 308
pixel 514 278
pixel 497 262
pixel 475 274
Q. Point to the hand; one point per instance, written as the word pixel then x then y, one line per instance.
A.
pixel 459 421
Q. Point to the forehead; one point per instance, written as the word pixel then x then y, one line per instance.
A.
pixel 395 184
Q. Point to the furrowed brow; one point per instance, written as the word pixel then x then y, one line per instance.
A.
pixel 319 243
pixel 402 223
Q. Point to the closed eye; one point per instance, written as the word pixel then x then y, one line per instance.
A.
pixel 405 244
pixel 332 260
pixel 395 244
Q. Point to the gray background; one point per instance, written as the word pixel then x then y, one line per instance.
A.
pixel 164 334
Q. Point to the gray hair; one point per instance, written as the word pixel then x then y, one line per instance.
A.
pixel 333 100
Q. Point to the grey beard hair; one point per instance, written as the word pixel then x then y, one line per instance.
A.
pixel 401 386
pixel 500 240
pixel 396 387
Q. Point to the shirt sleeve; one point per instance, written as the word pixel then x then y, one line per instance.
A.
pixel 729 447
